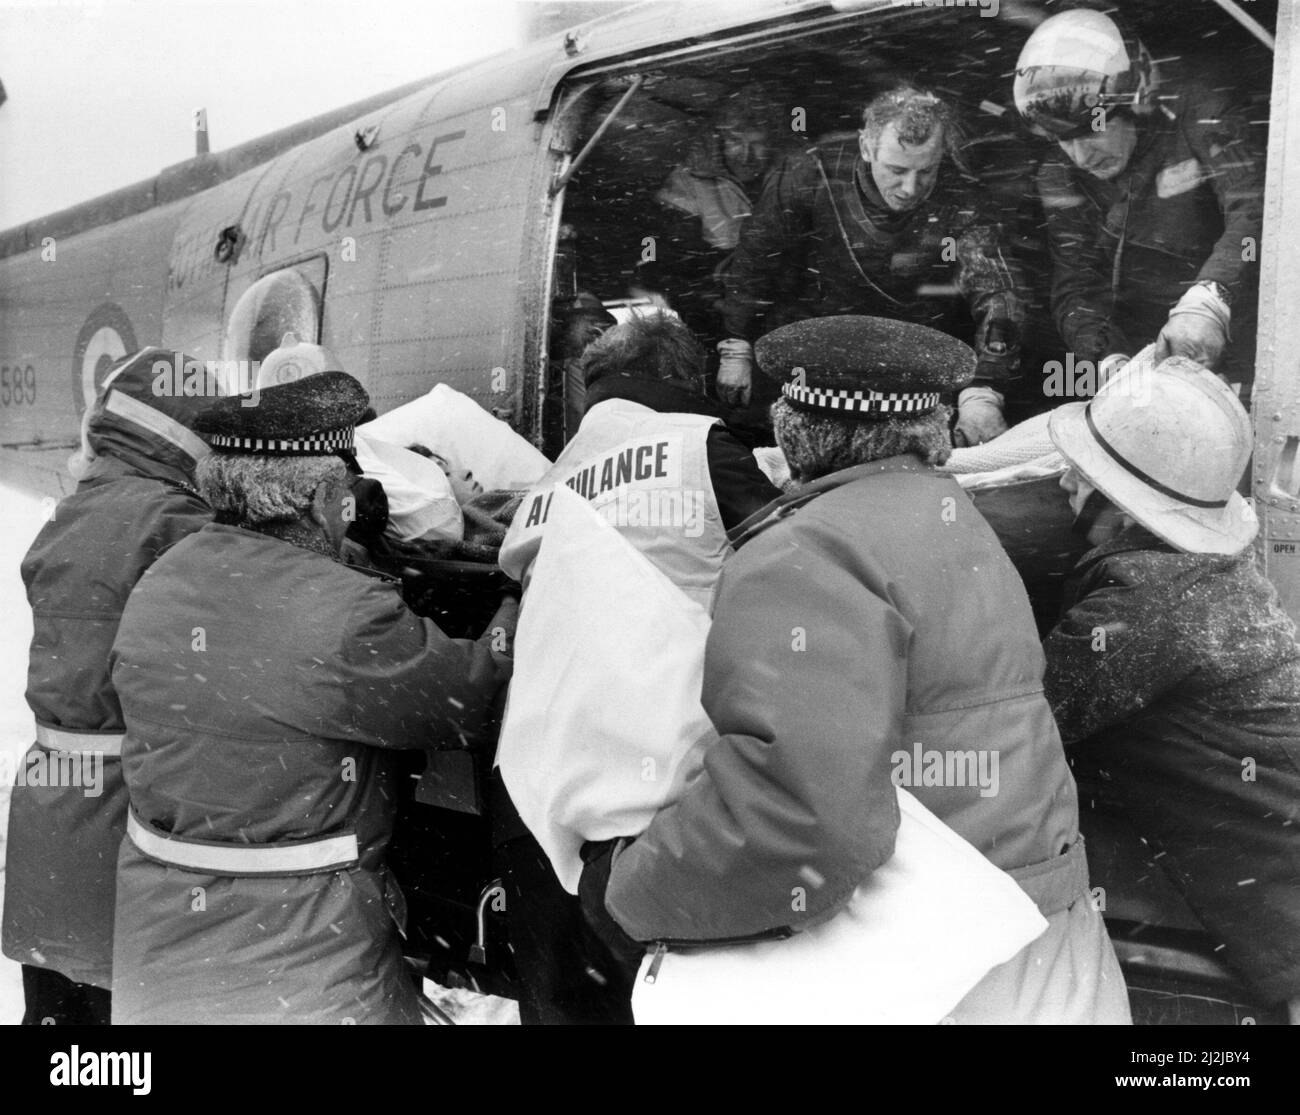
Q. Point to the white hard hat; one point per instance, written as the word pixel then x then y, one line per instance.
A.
pixel 295 360
pixel 1166 445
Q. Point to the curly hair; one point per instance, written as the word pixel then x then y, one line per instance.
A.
pixel 818 444
pixel 917 113
pixel 650 346
pixel 257 491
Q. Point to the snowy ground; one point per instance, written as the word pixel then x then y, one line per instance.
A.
pixel 23 515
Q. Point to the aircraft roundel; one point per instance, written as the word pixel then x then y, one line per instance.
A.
pixel 106 337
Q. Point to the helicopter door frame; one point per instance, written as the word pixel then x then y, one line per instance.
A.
pixel 1275 404
pixel 561 134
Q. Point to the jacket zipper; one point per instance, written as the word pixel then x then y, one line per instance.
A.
pixel 662 946
pixel 652 973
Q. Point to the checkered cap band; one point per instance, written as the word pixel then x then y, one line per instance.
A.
pixel 322 444
pixel 876 403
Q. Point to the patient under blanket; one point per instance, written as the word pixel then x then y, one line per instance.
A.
pixel 487 518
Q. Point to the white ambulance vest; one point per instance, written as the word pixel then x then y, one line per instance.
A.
pixel 648 473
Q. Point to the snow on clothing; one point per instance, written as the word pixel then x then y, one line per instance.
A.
pixel 1168 673
pixel 656 459
pixel 61 867
pixel 832 653
pixel 1191 197
pixel 263 686
pixel 793 263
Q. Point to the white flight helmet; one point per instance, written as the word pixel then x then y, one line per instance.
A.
pixel 1167 446
pixel 1074 63
pixel 295 360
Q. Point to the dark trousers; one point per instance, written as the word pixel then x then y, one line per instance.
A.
pixel 54 1000
pixel 569 976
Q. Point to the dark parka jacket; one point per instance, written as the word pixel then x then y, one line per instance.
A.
pixel 838 647
pixel 264 688
pixel 793 261
pixel 1189 206
pixel 1176 678
pixel 61 862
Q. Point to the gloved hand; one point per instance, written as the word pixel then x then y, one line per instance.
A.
pixel 979 417
pixel 998 348
pixel 735 372
pixel 367 514
pixel 598 860
pixel 1198 327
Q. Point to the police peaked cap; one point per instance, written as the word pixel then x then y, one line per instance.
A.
pixel 315 415
pixel 864 367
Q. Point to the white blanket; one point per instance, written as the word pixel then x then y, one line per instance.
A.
pixel 421 503
pixel 456 428
pixel 914 939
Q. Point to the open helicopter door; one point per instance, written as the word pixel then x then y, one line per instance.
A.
pixel 1275 408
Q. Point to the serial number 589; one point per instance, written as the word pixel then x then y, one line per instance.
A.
pixel 17 385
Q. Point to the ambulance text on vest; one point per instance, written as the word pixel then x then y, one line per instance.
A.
pixel 637 485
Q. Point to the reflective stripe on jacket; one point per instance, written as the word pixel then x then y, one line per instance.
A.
pixel 61 863
pixel 264 688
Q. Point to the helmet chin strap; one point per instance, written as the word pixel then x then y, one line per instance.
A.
pixel 1089 513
